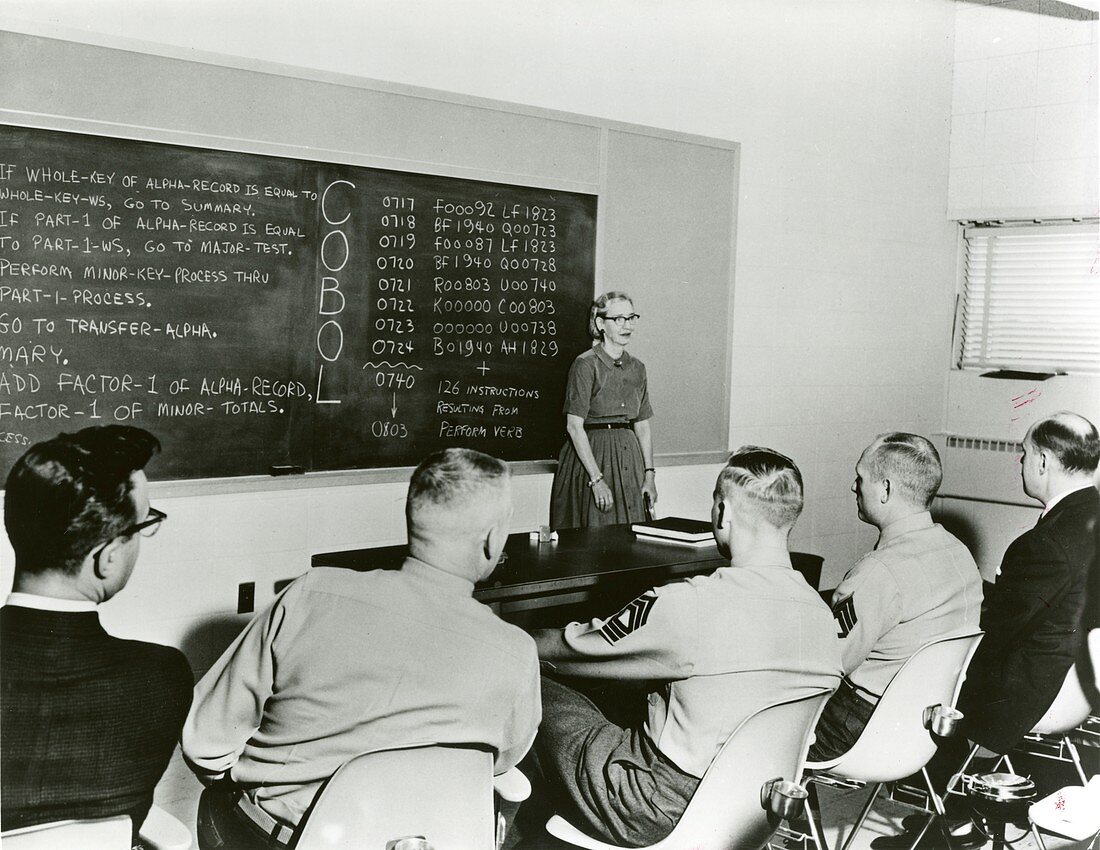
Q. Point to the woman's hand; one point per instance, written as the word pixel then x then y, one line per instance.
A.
pixel 602 494
pixel 649 490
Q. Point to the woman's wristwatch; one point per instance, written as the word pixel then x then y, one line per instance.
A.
pixel 651 469
pixel 595 481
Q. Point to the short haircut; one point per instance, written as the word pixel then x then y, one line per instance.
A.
pixel 1069 437
pixel 67 495
pixel 911 463
pixel 599 308
pixel 453 479
pixel 767 482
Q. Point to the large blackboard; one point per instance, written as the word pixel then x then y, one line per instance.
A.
pixel 255 311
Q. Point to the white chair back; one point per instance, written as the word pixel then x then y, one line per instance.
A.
pixel 111 833
pixel 725 812
pixel 895 743
pixel 442 793
pixel 161 831
pixel 1069 709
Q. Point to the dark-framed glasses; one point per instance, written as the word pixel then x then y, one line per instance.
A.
pixel 622 320
pixel 148 526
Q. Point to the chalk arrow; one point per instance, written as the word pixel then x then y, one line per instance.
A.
pixel 393 407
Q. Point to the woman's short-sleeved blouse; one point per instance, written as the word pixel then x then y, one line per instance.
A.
pixel 602 390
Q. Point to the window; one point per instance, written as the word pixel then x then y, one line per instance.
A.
pixel 1030 298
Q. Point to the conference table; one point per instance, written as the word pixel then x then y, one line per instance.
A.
pixel 605 566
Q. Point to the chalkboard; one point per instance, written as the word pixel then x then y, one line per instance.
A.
pixel 255 311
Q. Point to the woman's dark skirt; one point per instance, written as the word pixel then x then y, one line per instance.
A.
pixel 620 459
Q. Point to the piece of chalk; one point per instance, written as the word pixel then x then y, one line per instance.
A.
pixel 287 469
pixel 553 537
pixel 534 535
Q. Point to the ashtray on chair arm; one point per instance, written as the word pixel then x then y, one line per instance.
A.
pixel 785 800
pixel 941 721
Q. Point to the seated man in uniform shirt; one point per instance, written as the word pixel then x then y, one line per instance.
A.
pixel 714 650
pixel 1034 614
pixel 88 721
pixel 919 583
pixel 345 662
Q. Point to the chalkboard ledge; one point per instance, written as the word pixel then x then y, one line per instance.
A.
pixel 334 478
pixel 692 458
pixel 362 477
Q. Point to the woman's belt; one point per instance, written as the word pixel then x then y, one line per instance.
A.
pixel 599 426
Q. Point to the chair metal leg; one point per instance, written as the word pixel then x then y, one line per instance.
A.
pixel 938 817
pixel 1008 763
pixel 1076 756
pixel 937 803
pixel 953 781
pixel 813 817
pixel 1038 838
pixel 862 817
pixel 816 835
pixel 923 831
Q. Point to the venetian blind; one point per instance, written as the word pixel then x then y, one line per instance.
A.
pixel 1031 298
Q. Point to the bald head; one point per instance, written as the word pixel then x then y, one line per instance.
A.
pixel 1070 438
pixel 1060 455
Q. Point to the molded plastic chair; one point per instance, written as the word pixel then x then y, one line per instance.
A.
pixel 161 831
pixel 111 833
pixel 897 741
pixel 442 793
pixel 1068 711
pixel 726 811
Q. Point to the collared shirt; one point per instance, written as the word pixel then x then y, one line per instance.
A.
pixel 344 663
pixel 601 389
pixel 721 646
pixel 49 603
pixel 919 583
pixel 1049 506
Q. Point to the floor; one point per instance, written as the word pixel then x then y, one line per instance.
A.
pixel 178 794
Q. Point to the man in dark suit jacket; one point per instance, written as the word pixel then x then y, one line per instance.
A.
pixel 87 721
pixel 1032 618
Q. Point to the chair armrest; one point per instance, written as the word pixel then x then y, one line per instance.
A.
pixel 512 786
pixel 161 831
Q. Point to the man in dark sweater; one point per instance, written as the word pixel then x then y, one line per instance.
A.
pixel 87 721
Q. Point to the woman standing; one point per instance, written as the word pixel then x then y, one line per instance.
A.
pixel 605 469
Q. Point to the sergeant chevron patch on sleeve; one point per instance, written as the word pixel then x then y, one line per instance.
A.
pixel 844 612
pixel 628 620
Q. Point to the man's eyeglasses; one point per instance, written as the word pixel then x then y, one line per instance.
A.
pixel 622 320
pixel 148 526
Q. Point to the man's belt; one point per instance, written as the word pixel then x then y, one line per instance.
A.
pixel 862 693
pixel 599 426
pixel 264 821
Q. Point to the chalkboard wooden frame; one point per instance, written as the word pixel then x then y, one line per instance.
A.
pixel 270 109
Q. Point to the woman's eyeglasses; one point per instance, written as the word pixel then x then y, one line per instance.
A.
pixel 622 320
pixel 148 526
